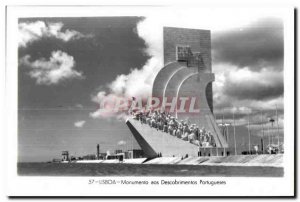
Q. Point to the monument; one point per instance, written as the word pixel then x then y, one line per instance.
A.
pixel 186 78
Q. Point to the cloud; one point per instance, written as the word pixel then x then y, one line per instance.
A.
pixel 58 68
pixel 121 142
pixel 33 31
pixel 244 87
pixel 138 82
pixel 80 106
pixel 79 124
pixel 248 65
pixel 262 85
pixel 106 111
pixel 255 46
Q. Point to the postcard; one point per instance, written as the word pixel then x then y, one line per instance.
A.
pixel 150 101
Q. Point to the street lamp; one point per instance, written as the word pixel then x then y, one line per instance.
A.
pixel 234 135
pixel 272 123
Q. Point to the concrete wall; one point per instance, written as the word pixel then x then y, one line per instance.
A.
pixel 171 89
pixel 198 40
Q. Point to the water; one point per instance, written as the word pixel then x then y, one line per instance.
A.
pixel 86 169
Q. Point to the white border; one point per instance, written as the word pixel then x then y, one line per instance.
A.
pixel 78 186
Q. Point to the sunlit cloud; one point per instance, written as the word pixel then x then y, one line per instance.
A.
pixel 58 68
pixel 33 31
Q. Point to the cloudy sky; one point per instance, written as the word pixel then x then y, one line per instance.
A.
pixel 67 64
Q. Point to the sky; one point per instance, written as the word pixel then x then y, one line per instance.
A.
pixel 67 65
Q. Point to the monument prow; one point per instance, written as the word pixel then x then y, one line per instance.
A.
pixel 154 141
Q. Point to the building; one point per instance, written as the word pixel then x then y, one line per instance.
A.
pixel 126 155
pixel 102 156
pixel 118 156
pixel 98 151
pixel 65 155
pixel 135 153
pixel 118 151
pixel 89 157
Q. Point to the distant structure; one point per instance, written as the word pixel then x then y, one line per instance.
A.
pixel 187 73
pixel 117 151
pixel 98 151
pixel 135 153
pixel 89 157
pixel 65 156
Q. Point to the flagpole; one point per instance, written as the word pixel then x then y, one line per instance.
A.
pixel 277 129
pixel 263 135
pixel 223 128
pixel 227 134
pixel 223 122
pixel 217 152
pixel 234 134
pixel 249 133
pixel 269 135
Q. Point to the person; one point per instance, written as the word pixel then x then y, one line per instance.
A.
pixel 170 125
pixel 209 138
pixel 213 143
pixel 179 131
pixel 185 131
pixel 191 135
pixel 197 133
pixel 160 124
pixel 165 126
pixel 202 134
pixel 174 131
pixel 148 120
pixel 196 142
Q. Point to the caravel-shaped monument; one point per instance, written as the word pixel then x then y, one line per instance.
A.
pixel 187 74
